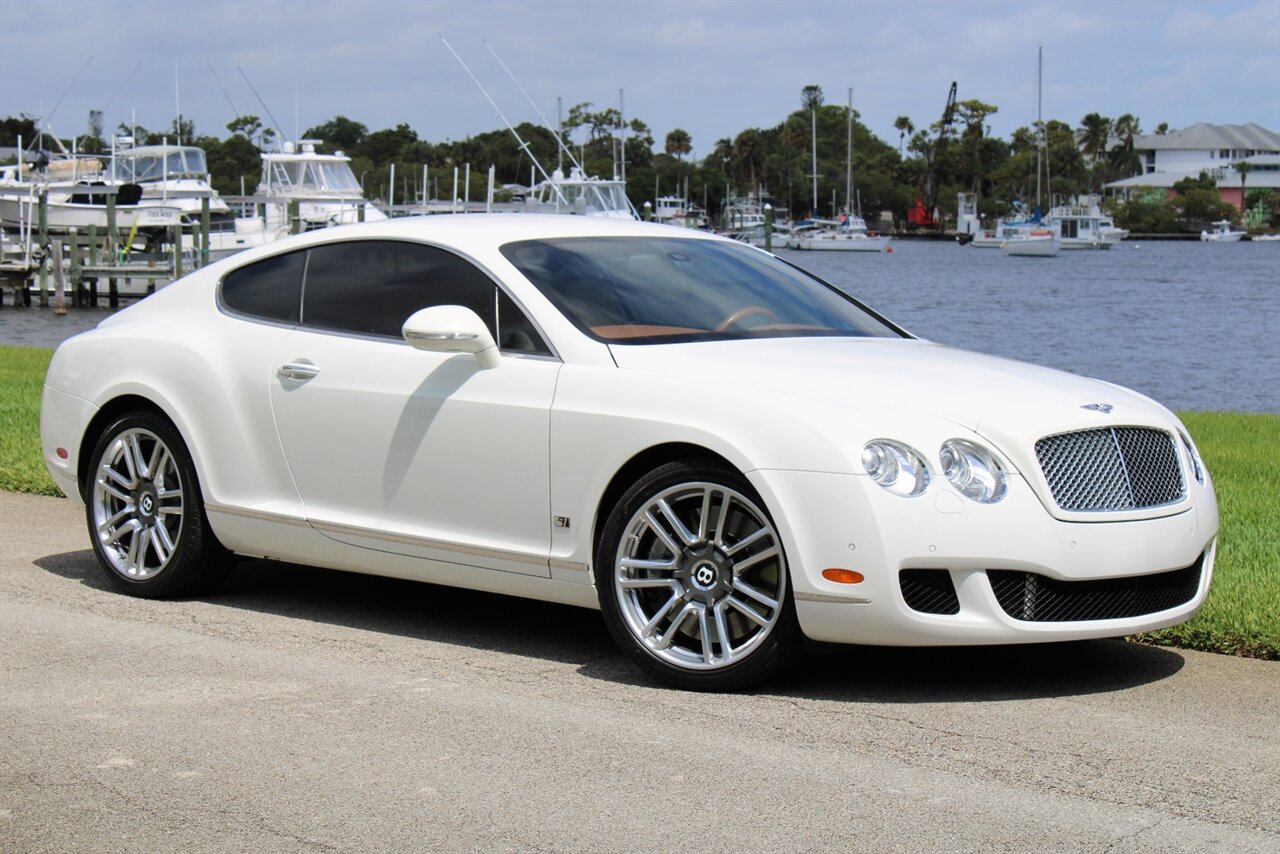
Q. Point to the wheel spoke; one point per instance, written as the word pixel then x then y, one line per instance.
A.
pixel 704 629
pixel 743 587
pixel 704 516
pixel 661 533
pixel 133 452
pixel 747 562
pixel 125 511
pixel 120 479
pixel 687 536
pixel 722 519
pixel 155 464
pixel 137 550
pixel 659 615
pixel 748 540
pixel 653 565
pixel 162 549
pixel 130 527
pixel 128 461
pixel 158 473
pixel 162 534
pixel 722 629
pixel 669 635
pixel 111 490
pixel 746 610
pixel 642 583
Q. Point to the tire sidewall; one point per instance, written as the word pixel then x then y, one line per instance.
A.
pixel 186 564
pixel 783 641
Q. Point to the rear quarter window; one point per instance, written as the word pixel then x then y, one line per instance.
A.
pixel 270 289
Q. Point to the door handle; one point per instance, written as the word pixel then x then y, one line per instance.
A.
pixel 301 370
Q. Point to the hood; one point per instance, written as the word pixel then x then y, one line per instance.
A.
pixel 1001 398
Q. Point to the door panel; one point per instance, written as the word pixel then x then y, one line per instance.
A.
pixel 417 453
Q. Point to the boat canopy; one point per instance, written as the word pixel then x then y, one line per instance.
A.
pixel 314 175
pixel 158 163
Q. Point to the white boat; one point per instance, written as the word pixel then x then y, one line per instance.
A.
pixel 1266 238
pixel 744 220
pixel 74 198
pixel 580 194
pixel 849 234
pixel 324 186
pixel 673 210
pixel 1222 233
pixel 1035 243
pixel 1079 223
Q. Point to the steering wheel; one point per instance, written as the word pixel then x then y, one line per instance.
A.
pixel 742 314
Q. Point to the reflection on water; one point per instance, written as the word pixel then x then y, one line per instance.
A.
pixel 1194 325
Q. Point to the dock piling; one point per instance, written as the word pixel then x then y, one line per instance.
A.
pixel 43 230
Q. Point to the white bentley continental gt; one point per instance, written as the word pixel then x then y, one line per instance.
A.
pixel 721 452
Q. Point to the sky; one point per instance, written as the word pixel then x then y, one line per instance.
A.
pixel 710 68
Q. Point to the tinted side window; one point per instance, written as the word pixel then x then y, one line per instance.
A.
pixel 371 287
pixel 270 289
pixel 515 331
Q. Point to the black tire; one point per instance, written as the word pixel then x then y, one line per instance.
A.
pixel 135 554
pixel 700 580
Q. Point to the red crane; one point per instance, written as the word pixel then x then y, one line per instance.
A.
pixel 923 214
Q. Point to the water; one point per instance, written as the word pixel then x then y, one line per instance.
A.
pixel 1194 325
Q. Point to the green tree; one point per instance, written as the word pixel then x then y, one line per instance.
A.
pixel 1094 134
pixel 905 128
pixel 1123 158
pixel 339 134
pixel 678 143
pixel 811 97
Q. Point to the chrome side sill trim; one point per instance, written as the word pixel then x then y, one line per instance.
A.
pixel 835 600
pixel 428 543
pixel 260 515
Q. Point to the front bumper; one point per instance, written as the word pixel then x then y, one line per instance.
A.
pixel 846 521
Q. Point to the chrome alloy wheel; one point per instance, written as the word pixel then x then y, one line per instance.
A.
pixel 700 576
pixel 137 504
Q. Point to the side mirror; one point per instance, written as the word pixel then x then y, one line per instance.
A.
pixel 451 329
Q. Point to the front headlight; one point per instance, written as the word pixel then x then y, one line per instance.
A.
pixel 1193 457
pixel 973 470
pixel 897 467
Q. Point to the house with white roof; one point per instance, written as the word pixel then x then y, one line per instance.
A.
pixel 1169 157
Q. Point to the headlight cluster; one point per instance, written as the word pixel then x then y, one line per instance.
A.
pixel 972 469
pixel 1193 457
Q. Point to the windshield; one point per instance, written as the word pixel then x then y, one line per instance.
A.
pixel 315 176
pixel 157 166
pixel 650 290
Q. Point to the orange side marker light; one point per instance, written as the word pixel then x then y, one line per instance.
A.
pixel 842 576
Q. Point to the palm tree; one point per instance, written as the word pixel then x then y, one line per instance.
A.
pixel 748 151
pixel 905 128
pixel 679 143
pixel 1094 134
pixel 1122 157
pixel 1244 167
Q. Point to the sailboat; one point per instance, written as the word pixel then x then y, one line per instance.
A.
pixel 848 233
pixel 1039 242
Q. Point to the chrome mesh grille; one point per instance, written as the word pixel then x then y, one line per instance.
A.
pixel 1118 468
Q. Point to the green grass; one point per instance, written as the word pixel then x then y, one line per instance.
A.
pixel 1241 450
pixel 1242 613
pixel 22 371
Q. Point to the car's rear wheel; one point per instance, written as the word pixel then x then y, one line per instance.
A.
pixel 145 513
pixel 692 579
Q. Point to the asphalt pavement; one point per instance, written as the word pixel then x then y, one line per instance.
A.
pixel 298 709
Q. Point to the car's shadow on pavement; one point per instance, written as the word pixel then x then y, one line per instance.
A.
pixel 577 636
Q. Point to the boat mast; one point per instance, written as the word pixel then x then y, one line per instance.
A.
pixel 524 146
pixel 813 139
pixel 848 158
pixel 1039 127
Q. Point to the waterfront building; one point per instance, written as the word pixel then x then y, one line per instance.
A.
pixel 1214 149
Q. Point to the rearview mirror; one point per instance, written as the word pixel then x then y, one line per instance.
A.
pixel 451 329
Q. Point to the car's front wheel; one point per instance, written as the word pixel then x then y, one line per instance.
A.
pixel 692 579
pixel 145 513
